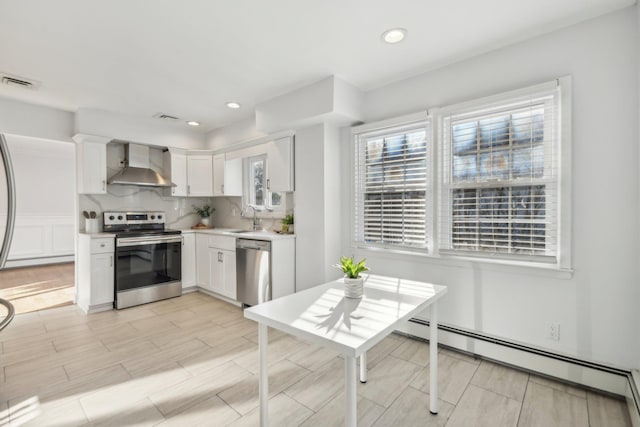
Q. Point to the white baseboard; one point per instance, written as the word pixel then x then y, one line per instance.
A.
pixel 30 262
pixel 633 398
pixel 610 380
pixel 220 297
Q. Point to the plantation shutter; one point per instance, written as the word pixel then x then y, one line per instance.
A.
pixel 499 182
pixel 391 187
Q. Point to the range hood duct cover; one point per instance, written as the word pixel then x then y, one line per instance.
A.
pixel 137 171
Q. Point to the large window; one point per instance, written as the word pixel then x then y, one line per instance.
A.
pixel 498 187
pixel 391 187
pixel 499 192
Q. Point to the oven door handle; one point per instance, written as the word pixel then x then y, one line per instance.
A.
pixel 132 241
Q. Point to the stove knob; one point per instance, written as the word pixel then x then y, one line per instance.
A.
pixel 120 217
pixel 153 217
pixel 111 217
pixel 159 217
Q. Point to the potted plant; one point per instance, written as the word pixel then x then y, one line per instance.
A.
pixel 204 212
pixel 287 223
pixel 353 283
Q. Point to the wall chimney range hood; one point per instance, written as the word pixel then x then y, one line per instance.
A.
pixel 137 171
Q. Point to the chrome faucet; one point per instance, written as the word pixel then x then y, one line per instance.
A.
pixel 256 221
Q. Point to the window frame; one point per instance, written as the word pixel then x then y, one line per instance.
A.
pixel 267 209
pixel 434 116
pixel 385 127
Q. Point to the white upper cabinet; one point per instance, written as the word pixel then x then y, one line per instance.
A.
pixel 192 173
pixel 227 176
pixel 280 165
pixel 175 165
pixel 91 161
pixel 199 175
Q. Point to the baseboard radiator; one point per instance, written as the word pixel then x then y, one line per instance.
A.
pixel 565 368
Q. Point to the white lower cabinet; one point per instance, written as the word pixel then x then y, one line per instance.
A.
pixel 95 273
pixel 223 272
pixel 216 264
pixel 203 275
pixel 188 261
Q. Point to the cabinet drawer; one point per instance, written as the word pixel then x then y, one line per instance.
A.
pixel 223 242
pixel 102 245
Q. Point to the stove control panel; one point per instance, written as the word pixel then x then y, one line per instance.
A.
pixel 133 218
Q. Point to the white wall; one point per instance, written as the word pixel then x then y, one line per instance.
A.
pixel 45 198
pixel 146 130
pixel 20 118
pixel 225 137
pixel 309 207
pixel 597 308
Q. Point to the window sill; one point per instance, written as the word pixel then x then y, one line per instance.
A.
pixel 456 261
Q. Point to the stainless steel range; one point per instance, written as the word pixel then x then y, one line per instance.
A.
pixel 148 263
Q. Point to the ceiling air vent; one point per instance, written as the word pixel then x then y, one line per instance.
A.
pixel 10 80
pixel 165 117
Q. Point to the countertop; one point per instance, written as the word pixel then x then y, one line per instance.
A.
pixel 97 235
pixel 243 234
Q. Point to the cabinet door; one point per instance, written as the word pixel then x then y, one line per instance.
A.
pixel 92 168
pixel 200 176
pixel 101 278
pixel 188 260
pixel 280 165
pixel 203 276
pixel 233 177
pixel 223 272
pixel 217 270
pixel 218 175
pixel 177 169
pixel 229 274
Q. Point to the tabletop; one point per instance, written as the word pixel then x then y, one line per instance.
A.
pixel 352 326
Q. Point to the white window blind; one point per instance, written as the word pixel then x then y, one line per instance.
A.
pixel 499 178
pixel 391 183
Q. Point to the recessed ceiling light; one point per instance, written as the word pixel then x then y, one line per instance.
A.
pixel 193 123
pixel 394 35
pixel 233 105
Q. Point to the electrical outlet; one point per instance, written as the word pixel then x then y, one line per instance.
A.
pixel 553 331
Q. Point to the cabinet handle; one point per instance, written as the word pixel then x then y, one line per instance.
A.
pixel 222 188
pixel 102 245
pixel 268 184
pixel 188 189
pixel 219 256
pixel 111 261
pixel 104 185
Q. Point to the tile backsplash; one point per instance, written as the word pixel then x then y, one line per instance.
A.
pixel 178 210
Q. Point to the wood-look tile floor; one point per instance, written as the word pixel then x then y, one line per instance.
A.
pixel 39 287
pixel 193 360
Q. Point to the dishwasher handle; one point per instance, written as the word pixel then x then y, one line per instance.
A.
pixel 256 245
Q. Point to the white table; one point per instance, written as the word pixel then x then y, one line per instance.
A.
pixel 323 316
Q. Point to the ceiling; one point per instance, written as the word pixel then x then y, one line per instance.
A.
pixel 188 58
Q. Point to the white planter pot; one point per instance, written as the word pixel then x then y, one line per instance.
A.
pixel 353 288
pixel 205 221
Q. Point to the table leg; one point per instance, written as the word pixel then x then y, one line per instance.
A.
pixel 263 342
pixel 351 416
pixel 433 362
pixel 363 367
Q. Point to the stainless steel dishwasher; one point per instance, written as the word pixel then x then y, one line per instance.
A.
pixel 253 271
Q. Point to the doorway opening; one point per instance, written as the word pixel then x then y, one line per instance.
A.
pixel 40 270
